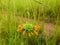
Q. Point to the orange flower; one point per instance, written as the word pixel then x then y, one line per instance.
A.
pixel 36 32
pixel 29 34
pixel 36 27
pixel 23 33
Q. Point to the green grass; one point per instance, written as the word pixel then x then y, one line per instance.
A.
pixel 14 12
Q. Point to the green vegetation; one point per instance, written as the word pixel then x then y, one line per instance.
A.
pixel 41 12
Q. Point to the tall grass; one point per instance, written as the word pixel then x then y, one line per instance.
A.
pixel 14 12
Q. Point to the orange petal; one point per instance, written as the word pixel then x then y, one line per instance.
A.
pixel 19 26
pixel 36 32
pixel 23 33
pixel 32 33
pixel 36 27
pixel 29 34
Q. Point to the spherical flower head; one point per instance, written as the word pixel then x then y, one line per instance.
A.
pixel 28 27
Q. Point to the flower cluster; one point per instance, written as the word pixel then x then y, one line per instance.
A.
pixel 28 29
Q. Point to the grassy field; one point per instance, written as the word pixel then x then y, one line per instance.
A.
pixel 19 19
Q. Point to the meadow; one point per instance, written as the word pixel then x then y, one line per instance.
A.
pixel 29 22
